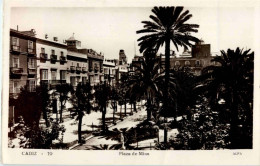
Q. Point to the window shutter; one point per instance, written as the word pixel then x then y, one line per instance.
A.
pixel 11 86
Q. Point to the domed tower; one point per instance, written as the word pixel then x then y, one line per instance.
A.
pixel 72 43
pixel 122 57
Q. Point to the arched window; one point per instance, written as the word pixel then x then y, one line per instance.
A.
pixel 177 63
pixel 187 63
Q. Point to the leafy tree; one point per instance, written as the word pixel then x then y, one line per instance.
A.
pixel 168 25
pixel 232 81
pixel 31 105
pixel 39 137
pixel 81 100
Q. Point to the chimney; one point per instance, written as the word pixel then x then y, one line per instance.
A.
pixel 55 39
pixel 46 36
pixel 17 28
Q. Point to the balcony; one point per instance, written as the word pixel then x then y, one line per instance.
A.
pixel 78 69
pixel 44 82
pixel 96 70
pixel 16 49
pixel 31 52
pixel 198 65
pixel 16 71
pixel 43 56
pixel 31 71
pixel 63 59
pixel 84 69
pixel 57 82
pixel 53 59
pixel 72 69
pixel 52 83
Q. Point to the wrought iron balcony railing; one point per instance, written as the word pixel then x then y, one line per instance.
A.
pixel 16 70
pixel 53 58
pixel 15 49
pixel 43 56
pixel 84 69
pixel 72 69
pixel 78 69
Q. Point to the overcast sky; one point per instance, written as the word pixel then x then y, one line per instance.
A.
pixel 108 30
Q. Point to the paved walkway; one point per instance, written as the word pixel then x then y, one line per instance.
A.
pixel 128 122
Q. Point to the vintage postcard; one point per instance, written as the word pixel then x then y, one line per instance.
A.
pixel 130 82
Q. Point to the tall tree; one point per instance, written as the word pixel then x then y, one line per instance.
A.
pixel 102 92
pixel 168 25
pixel 62 91
pixel 81 99
pixel 147 80
pixel 232 81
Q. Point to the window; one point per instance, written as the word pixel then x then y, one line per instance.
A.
pixel 15 41
pixel 53 75
pixel 84 80
pixel 31 85
pixel 63 74
pixel 16 87
pixel 30 44
pixel 44 74
pixel 177 63
pixel 96 79
pixel 77 64
pixel 43 50
pixel 52 52
pixel 15 62
pixel 197 62
pixel 73 81
pixel 31 63
pixel 187 63
pixel 61 53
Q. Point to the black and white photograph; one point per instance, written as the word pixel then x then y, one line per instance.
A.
pixel 134 80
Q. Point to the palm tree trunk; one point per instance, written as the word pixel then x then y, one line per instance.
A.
pixel 125 107
pixel 61 120
pixel 167 74
pixel 79 128
pixel 135 110
pixel 103 118
pixel 45 117
pixel 149 109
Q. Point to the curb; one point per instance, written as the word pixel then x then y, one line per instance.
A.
pixel 77 144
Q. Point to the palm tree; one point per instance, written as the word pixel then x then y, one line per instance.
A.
pixel 147 80
pixel 186 94
pixel 114 99
pixel 81 101
pixel 168 25
pixel 102 92
pixel 62 91
pixel 232 81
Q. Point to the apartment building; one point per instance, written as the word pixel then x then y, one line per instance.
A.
pixel 196 59
pixel 51 62
pixel 77 62
pixel 122 67
pixel 95 60
pixel 109 66
pixel 22 66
